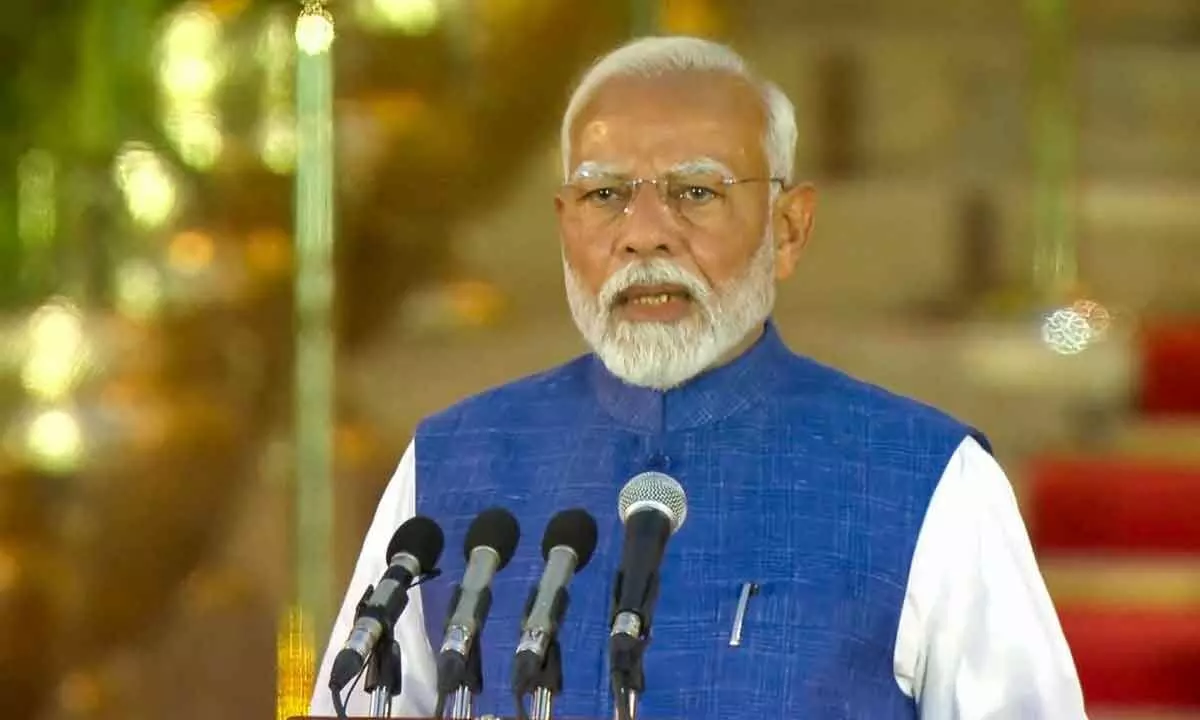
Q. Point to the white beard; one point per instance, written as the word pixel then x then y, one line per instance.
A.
pixel 663 355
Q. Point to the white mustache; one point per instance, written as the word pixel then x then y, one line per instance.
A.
pixel 651 272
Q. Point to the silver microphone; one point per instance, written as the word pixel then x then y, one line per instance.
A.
pixel 474 600
pixel 567 546
pixel 413 551
pixel 491 541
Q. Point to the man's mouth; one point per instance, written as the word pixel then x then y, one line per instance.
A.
pixel 653 295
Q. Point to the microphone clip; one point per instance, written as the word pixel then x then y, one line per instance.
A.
pixel 383 615
pixel 383 668
pixel 543 681
pixel 537 668
pixel 626 648
pixel 422 579
pixel 460 663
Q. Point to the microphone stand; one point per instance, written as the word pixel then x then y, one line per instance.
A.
pixel 626 646
pixel 627 705
pixel 548 684
pixel 464 680
pixel 628 674
pixel 461 676
pixel 539 675
pixel 384 677
pixel 542 683
pixel 463 707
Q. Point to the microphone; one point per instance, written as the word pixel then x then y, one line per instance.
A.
pixel 413 551
pixel 491 541
pixel 652 506
pixel 567 546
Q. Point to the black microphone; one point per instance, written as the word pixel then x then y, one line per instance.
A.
pixel 491 541
pixel 567 546
pixel 413 551
pixel 652 506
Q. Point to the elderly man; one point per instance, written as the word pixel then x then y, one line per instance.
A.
pixel 895 577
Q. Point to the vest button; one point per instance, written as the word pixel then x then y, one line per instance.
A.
pixel 658 461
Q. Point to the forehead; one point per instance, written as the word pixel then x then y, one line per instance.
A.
pixel 651 124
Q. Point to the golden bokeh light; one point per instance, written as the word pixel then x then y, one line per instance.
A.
pixel 410 17
pixel 314 30
pixel 295 665
pixel 147 183
pixel 191 251
pixel 57 355
pixel 192 66
pixel 138 289
pixel 268 252
pixel 54 441
pixel 277 142
pixel 196 134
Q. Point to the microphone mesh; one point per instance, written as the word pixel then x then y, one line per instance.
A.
pixel 656 490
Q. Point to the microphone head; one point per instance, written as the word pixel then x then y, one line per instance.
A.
pixel 495 528
pixel 654 491
pixel 574 528
pixel 420 537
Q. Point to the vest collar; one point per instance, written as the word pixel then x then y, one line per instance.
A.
pixel 707 398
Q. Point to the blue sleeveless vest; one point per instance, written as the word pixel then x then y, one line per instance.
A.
pixel 798 478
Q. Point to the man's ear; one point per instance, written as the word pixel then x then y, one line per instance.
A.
pixel 794 214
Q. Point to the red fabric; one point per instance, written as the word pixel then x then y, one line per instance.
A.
pixel 1170 369
pixel 1113 505
pixel 1135 657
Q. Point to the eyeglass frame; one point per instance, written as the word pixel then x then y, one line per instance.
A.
pixel 661 184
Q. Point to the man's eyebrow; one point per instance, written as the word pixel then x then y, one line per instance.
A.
pixel 591 169
pixel 702 166
pixel 694 166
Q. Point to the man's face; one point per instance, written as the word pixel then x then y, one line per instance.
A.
pixel 672 239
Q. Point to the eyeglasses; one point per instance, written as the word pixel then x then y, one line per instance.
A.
pixel 702 200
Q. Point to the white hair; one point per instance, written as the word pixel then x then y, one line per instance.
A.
pixel 665 355
pixel 652 56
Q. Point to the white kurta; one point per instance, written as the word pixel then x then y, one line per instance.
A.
pixel 978 636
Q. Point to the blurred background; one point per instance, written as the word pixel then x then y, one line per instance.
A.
pixel 246 245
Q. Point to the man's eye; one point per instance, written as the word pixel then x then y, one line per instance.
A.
pixel 602 195
pixel 697 193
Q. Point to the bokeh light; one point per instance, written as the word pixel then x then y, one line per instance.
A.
pixel 147 183
pixel 410 17
pixel 57 354
pixel 192 66
pixel 54 441
pixel 314 30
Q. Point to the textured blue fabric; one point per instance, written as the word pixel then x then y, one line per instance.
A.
pixel 798 477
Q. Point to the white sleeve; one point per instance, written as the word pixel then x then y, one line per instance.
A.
pixel 979 638
pixel 418 691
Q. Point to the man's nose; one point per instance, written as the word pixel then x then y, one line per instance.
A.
pixel 649 228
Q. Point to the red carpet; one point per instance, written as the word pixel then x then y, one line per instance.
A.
pixel 1128 658
pixel 1113 506
pixel 1136 657
pixel 1169 353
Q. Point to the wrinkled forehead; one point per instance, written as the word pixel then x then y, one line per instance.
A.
pixel 707 122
